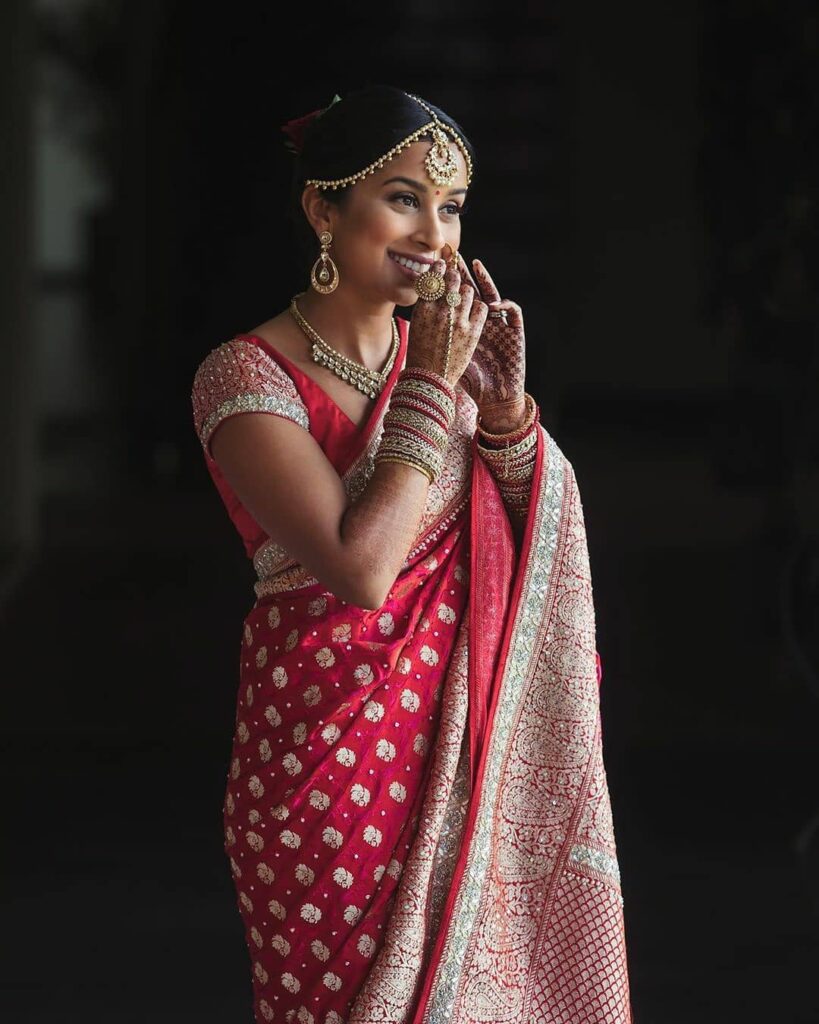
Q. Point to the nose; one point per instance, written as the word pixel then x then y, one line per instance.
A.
pixel 428 234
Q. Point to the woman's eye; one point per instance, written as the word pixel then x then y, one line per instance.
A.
pixel 410 200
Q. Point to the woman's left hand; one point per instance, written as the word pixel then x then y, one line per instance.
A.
pixel 495 378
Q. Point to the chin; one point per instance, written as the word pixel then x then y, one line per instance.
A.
pixel 406 296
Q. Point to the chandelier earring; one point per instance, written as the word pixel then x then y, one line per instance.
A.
pixel 324 275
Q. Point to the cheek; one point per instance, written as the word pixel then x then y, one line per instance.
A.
pixel 374 224
pixel 370 237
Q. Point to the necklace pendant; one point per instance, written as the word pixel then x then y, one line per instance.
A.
pixel 369 382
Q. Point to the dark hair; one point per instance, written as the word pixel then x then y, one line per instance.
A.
pixel 351 134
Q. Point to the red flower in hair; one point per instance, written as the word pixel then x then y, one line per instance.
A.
pixel 295 130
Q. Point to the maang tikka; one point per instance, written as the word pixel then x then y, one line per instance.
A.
pixel 324 275
pixel 440 162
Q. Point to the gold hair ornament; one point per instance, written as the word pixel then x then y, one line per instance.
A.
pixel 440 161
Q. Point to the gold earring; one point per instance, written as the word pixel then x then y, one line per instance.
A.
pixel 324 278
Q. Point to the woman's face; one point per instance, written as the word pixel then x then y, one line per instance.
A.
pixel 396 214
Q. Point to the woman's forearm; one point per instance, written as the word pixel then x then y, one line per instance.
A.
pixel 378 529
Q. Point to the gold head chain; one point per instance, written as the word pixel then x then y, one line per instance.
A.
pixel 440 161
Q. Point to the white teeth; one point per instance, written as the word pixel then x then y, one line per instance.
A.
pixel 412 264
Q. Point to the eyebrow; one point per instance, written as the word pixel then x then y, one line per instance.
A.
pixel 422 188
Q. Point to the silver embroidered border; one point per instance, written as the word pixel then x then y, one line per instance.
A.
pixel 535 589
pixel 251 402
pixel 270 558
pixel 597 860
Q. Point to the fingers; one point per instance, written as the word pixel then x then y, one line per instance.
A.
pixel 514 314
pixel 479 312
pixel 489 290
pixel 451 277
pixel 467 274
pixel 456 283
pixel 427 312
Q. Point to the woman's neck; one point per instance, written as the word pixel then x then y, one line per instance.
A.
pixel 358 329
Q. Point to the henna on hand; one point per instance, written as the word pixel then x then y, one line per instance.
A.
pixel 429 327
pixel 495 378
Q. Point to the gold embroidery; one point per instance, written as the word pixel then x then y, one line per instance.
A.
pixel 597 863
pixel 237 377
pixel 530 613
pixel 449 841
pixel 280 582
pixel 510 949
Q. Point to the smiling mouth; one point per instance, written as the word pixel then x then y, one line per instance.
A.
pixel 409 264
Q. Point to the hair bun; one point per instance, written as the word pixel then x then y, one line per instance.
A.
pixel 296 129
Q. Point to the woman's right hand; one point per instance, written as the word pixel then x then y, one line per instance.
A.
pixel 429 326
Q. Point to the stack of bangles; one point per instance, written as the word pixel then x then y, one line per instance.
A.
pixel 416 425
pixel 511 460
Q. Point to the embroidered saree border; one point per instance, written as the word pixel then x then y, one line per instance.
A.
pixel 531 614
pixel 534 926
pixel 595 863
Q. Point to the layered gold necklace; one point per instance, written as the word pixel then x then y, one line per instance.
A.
pixel 370 382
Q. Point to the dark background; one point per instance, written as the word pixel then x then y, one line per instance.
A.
pixel 647 187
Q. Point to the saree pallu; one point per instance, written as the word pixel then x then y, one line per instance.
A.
pixel 416 815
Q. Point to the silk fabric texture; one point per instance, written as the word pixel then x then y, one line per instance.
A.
pixel 416 813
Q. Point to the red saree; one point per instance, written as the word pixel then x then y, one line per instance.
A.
pixel 416 813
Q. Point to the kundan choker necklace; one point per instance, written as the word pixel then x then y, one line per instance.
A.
pixel 370 382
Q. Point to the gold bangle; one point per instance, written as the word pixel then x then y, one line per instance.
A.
pixel 407 462
pixel 513 438
pixel 514 435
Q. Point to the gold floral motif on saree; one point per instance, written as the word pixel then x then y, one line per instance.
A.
pixel 388 992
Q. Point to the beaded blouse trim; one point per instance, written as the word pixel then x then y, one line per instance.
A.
pixel 254 403
pixel 237 377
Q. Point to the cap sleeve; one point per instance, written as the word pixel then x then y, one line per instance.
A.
pixel 238 377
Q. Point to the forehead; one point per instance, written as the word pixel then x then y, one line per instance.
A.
pixel 409 163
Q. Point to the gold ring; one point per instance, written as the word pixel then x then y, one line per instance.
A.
pixel 430 286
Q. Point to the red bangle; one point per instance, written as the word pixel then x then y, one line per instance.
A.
pixel 505 440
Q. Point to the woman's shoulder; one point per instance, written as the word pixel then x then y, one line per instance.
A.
pixel 253 354
pixel 280 336
pixel 241 375
pixel 239 361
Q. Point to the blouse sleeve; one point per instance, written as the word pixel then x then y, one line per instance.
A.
pixel 238 377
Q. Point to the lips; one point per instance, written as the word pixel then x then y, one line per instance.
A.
pixel 412 266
